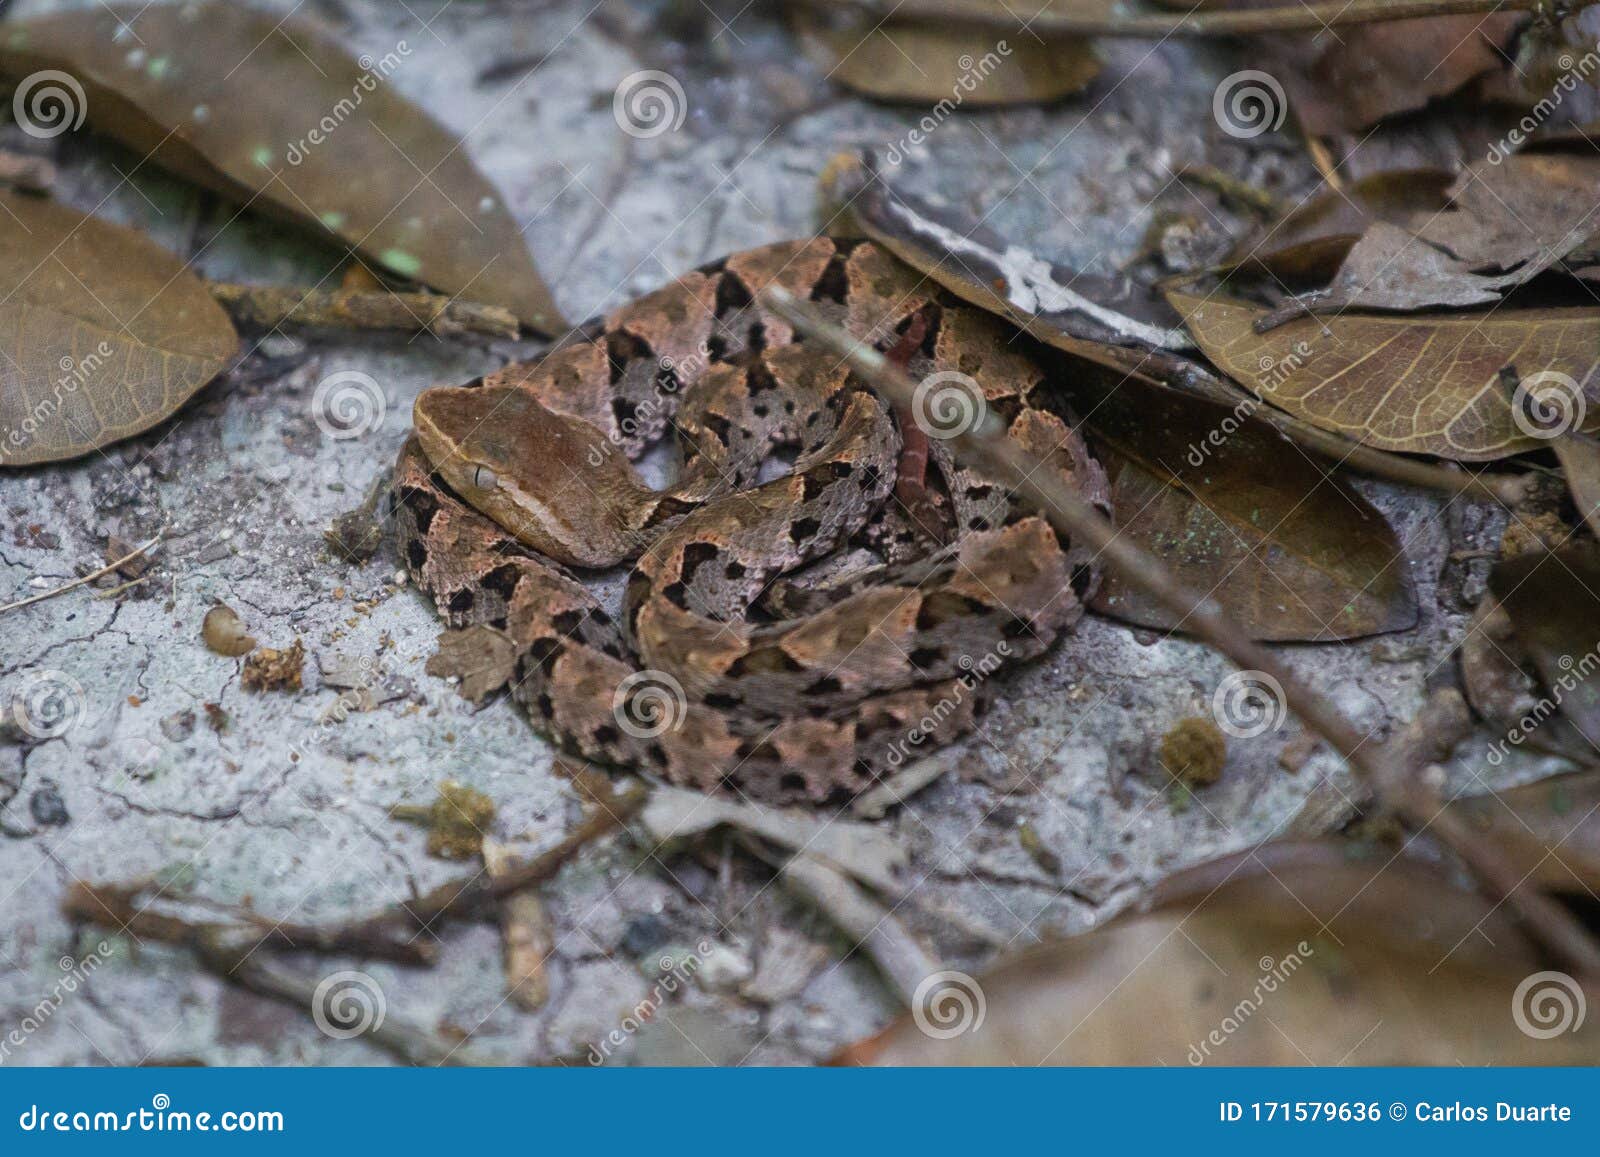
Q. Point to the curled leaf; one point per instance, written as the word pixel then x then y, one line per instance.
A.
pixel 224 632
pixel 1057 305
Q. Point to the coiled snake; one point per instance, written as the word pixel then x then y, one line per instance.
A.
pixel 720 673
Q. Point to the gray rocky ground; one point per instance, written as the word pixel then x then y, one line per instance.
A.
pixel 245 481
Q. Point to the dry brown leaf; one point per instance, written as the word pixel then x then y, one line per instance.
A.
pixel 1309 242
pixel 945 65
pixel 1290 552
pixel 1345 82
pixel 483 658
pixel 1553 602
pixel 84 367
pixel 1548 832
pixel 1057 305
pixel 274 112
pixel 1294 954
pixel 1427 384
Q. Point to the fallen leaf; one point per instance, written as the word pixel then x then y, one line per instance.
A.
pixel 1522 212
pixel 483 658
pixel 947 65
pixel 1290 552
pixel 1297 954
pixel 1553 602
pixel 1309 242
pixel 1579 455
pixel 1345 81
pixel 85 367
pixel 1547 832
pixel 224 632
pixel 1508 221
pixel 1430 384
pixel 1055 304
pixel 274 113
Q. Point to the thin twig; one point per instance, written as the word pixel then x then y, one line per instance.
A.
pixel 390 933
pixel 393 932
pixel 1103 19
pixel 88 578
pixel 129 585
pixel 986 446
pixel 274 305
pixel 229 956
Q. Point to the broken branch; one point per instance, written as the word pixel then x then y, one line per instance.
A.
pixel 273 305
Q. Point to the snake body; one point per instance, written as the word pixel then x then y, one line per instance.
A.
pixel 725 669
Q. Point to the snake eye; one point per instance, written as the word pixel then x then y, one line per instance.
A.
pixel 483 478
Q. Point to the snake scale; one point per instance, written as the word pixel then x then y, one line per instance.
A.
pixel 726 669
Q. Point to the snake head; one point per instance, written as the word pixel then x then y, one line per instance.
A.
pixel 530 469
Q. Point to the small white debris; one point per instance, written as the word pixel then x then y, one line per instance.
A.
pixel 723 967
